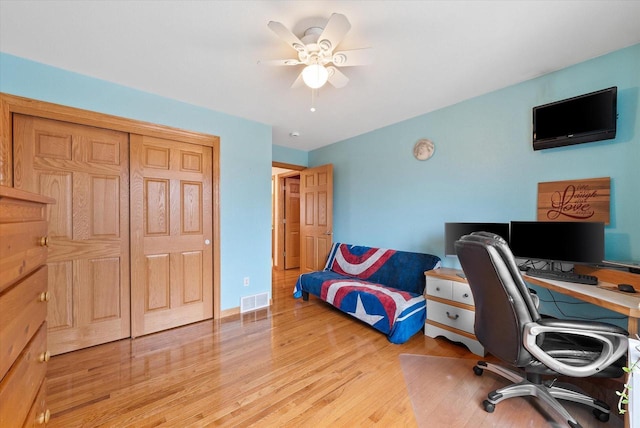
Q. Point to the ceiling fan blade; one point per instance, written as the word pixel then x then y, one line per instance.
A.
pixel 337 77
pixel 298 82
pixel 279 62
pixel 334 32
pixel 287 36
pixel 353 57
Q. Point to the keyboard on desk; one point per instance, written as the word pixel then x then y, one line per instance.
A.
pixel 557 275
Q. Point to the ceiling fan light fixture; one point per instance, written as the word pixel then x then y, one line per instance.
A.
pixel 315 76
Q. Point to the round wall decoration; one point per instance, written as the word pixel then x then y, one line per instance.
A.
pixel 424 149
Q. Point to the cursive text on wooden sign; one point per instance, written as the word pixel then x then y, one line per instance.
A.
pixel 575 200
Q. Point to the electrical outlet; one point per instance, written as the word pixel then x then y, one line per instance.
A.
pixel 246 281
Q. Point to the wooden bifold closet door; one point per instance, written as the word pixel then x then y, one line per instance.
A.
pixel 171 242
pixel 108 283
pixel 86 170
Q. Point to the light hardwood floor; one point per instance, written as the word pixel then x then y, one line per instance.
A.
pixel 295 364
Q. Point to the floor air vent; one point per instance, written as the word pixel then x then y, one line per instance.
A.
pixel 251 303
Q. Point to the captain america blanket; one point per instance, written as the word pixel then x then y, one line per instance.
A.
pixel 380 287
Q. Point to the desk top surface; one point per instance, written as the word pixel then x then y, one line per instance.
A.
pixel 605 294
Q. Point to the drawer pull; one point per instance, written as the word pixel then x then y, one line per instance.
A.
pixel 452 317
pixel 437 288
pixel 45 296
pixel 465 295
pixel 44 417
pixel 44 241
pixel 45 356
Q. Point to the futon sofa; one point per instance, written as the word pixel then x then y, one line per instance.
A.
pixel 381 287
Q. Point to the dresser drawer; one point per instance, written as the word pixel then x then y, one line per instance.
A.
pixel 24 309
pixel 21 384
pixel 39 414
pixel 462 293
pixel 440 288
pixel 22 249
pixel 459 318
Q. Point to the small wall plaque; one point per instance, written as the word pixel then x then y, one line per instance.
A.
pixel 575 200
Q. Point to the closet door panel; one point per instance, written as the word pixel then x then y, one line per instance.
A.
pixel 171 242
pixel 60 307
pixel 86 170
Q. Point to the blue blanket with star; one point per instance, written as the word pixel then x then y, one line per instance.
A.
pixel 381 287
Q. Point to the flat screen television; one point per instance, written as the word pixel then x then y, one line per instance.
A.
pixel 572 242
pixel 582 119
pixel 454 231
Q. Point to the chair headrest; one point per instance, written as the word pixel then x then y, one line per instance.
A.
pixel 490 235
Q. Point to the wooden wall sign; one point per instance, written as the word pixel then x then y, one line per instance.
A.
pixel 575 200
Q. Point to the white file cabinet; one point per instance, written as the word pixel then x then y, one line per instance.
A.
pixel 450 310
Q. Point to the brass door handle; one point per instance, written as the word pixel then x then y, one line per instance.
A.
pixel 44 417
pixel 44 357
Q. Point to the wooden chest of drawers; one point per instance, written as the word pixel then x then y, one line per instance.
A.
pixel 23 308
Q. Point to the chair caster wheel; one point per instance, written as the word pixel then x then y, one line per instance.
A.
pixel 489 407
pixel 601 416
pixel 478 371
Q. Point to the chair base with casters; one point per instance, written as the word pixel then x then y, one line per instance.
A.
pixel 549 392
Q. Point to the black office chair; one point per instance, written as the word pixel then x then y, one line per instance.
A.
pixel 508 325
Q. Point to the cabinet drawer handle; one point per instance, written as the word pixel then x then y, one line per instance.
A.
pixel 465 295
pixel 44 417
pixel 45 296
pixel 437 288
pixel 44 241
pixel 452 317
pixel 45 356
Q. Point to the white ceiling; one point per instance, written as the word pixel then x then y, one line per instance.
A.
pixel 428 54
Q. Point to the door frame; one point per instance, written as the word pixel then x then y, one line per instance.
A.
pixel 277 204
pixel 10 104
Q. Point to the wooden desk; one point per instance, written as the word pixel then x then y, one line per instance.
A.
pixel 605 294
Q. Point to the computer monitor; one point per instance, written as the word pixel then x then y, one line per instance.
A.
pixel 454 231
pixel 572 242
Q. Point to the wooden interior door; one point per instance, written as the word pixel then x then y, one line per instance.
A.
pixel 316 217
pixel 86 170
pixel 292 223
pixel 171 238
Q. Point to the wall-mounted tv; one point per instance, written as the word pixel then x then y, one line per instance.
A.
pixel 454 231
pixel 582 119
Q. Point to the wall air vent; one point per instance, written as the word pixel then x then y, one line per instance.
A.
pixel 256 301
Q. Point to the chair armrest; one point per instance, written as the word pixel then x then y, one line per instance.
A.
pixel 613 339
pixel 534 297
pixel 587 325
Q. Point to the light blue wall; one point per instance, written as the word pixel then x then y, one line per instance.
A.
pixel 484 168
pixel 245 160
pixel 290 156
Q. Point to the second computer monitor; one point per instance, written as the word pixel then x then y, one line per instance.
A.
pixel 573 242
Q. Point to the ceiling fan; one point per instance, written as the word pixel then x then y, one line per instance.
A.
pixel 316 52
